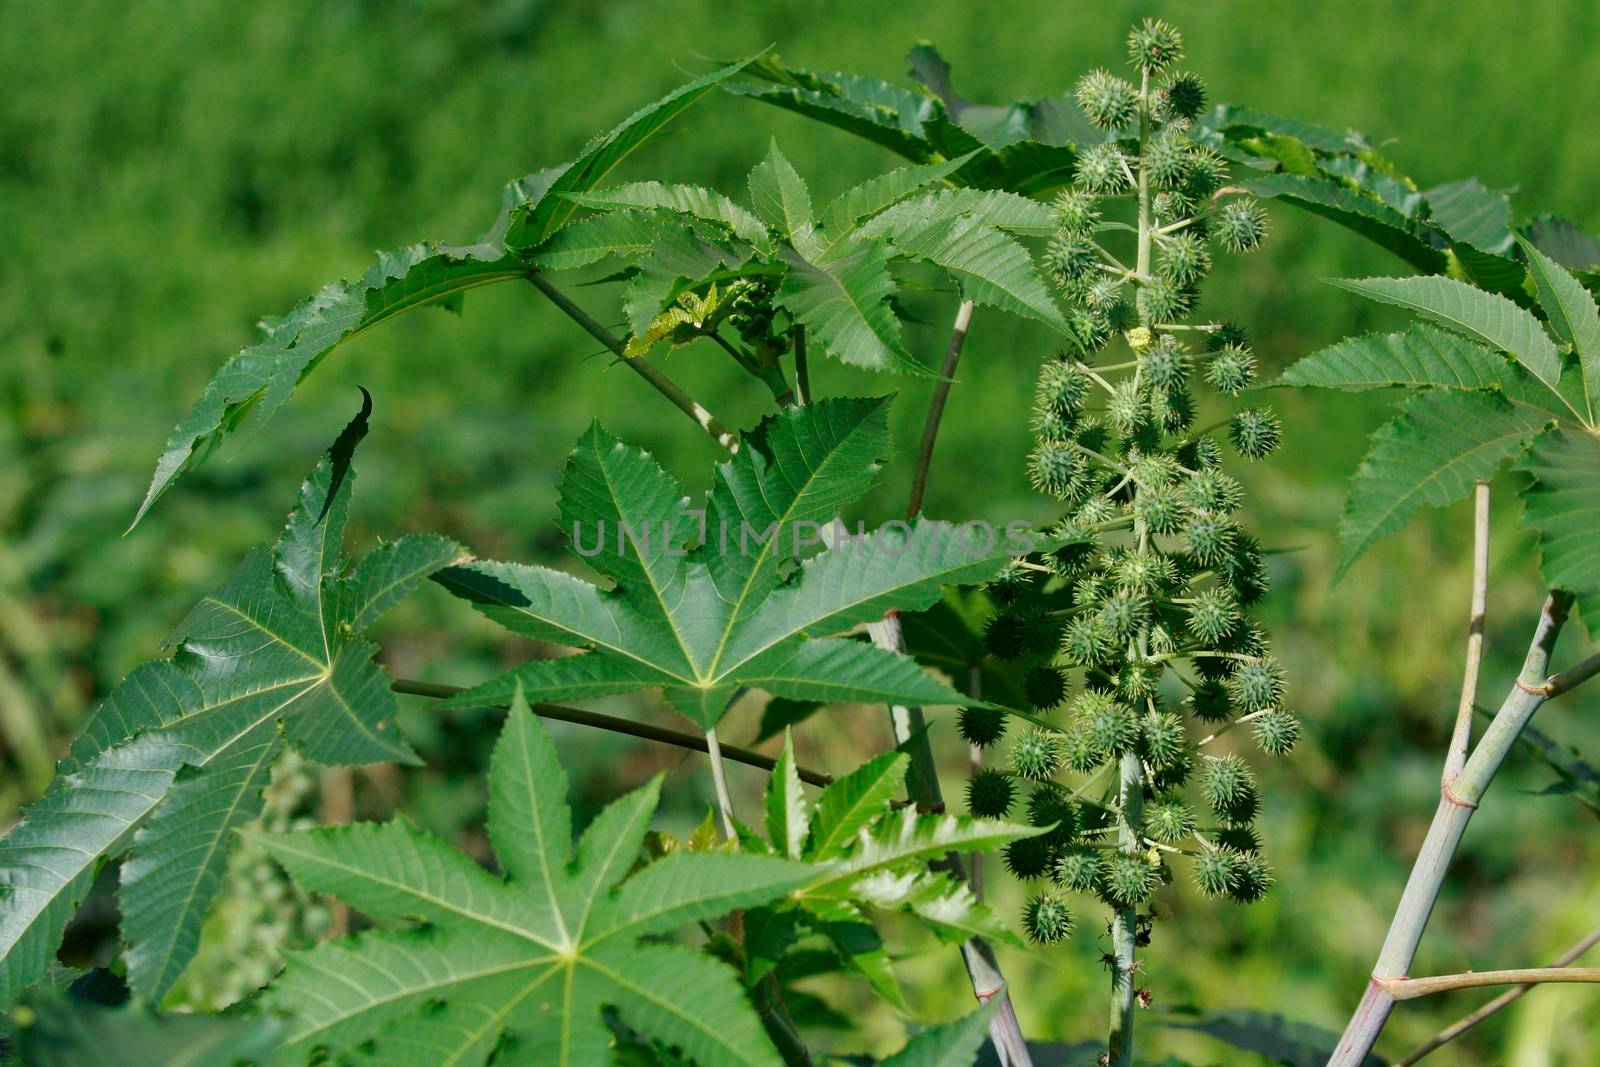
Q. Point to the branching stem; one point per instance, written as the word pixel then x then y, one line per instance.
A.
pixel 1468 1021
pixel 941 394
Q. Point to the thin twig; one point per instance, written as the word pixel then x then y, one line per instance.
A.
pixel 941 393
pixel 1461 738
pixel 1412 988
pixel 1467 1022
pixel 615 725
pixel 646 370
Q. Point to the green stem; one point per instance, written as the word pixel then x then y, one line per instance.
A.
pixel 1467 1022
pixel 1458 800
pixel 594 719
pixel 1130 788
pixel 941 393
pixel 646 370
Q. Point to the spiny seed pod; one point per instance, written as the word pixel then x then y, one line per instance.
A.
pixel 1160 509
pixel 1242 839
pixel 1112 728
pixel 1174 410
pixel 1076 211
pixel 989 794
pixel 1053 466
pixel 1154 45
pixel 1124 613
pixel 1276 732
pixel 1047 920
pixel 1164 299
pixel 1029 857
pixel 1166 159
pixel 1092 328
pixel 1061 387
pixel 1213 615
pixel 1256 686
pixel 1172 204
pixel 1227 783
pixel 1095 510
pixel 1138 679
pixel 1164 739
pixel 1254 880
pixel 1107 101
pixel 1231 370
pixel 1078 751
pixel 1166 366
pixel 1012 582
pixel 1128 881
pixel 1070 257
pixel 1078 869
pixel 1245 570
pixel 1255 433
pixel 1209 537
pixel 1171 821
pixel 1183 258
pixel 1036 755
pixel 1213 491
pixel 1045 687
pixel 1207 171
pixel 1050 805
pixel 1174 775
pixel 1240 225
pixel 1102 169
pixel 1143 573
pixel 981 727
pixel 1006 635
pixel 1154 468
pixel 1186 94
pixel 1217 871
pixel 1126 409
pixel 1104 295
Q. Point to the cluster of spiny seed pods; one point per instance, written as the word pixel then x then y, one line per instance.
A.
pixel 1132 641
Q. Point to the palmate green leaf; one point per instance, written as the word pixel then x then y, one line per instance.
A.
pixel 1573 318
pixel 1422 357
pixel 948 1045
pixel 589 240
pixel 908 835
pixel 1470 211
pixel 176 756
pixel 876 194
pixel 1485 317
pixel 526 961
pixel 1563 504
pixel 781 199
pixel 255 383
pixel 686 199
pixel 853 801
pixel 68 1033
pixel 1433 453
pixel 701 623
pixel 992 268
pixel 843 302
pixel 1002 210
pixel 1366 215
pixel 919 127
pixel 1563 241
pixel 545 205
pixel 949 637
pixel 788 817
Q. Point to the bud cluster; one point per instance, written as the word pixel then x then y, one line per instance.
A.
pixel 1138 626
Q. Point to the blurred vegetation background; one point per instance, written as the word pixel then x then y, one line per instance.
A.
pixel 170 172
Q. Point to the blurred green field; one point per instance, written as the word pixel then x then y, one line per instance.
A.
pixel 170 172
